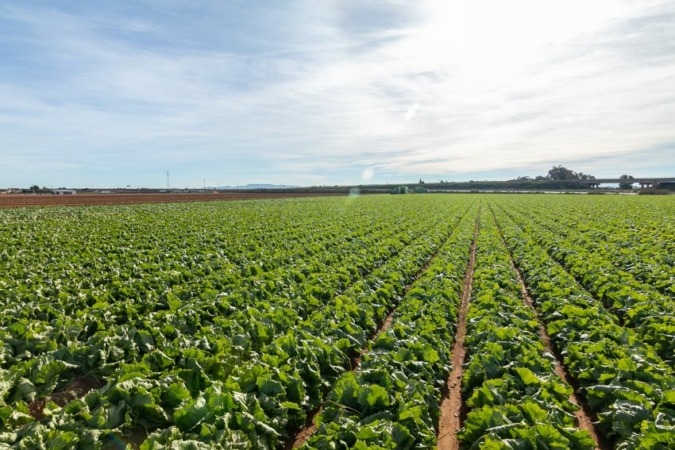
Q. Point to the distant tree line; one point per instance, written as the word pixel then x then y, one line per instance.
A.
pixel 562 174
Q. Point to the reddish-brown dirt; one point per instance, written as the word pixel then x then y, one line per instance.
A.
pixel 21 200
pixel 305 433
pixel 76 388
pixel 451 404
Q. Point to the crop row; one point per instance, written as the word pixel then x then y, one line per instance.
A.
pixel 624 381
pixel 514 397
pixel 634 234
pixel 160 266
pixel 636 304
pixel 637 246
pixel 392 401
pixel 227 325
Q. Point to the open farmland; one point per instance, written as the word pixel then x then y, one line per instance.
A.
pixel 407 321
pixel 87 199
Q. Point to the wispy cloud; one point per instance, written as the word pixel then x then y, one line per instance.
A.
pixel 321 93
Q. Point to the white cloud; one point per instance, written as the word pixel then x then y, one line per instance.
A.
pixel 315 91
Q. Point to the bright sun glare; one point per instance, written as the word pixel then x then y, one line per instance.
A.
pixel 489 40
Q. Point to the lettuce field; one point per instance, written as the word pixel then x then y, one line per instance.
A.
pixel 375 322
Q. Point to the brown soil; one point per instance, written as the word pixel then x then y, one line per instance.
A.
pixel 76 388
pixel 22 200
pixel 304 433
pixel 451 403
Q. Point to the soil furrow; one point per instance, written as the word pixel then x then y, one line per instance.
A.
pixel 451 403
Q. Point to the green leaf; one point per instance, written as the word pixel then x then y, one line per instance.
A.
pixel 49 372
pixel 625 417
pixel 271 387
pixel 478 422
pixel 174 395
pixel 190 415
pixel 548 437
pixel 62 440
pixel 373 398
pixel 532 412
pixel 116 415
pixel 527 376
pixel 23 390
pixel 148 413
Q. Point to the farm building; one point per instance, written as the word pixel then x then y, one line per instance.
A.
pixel 64 192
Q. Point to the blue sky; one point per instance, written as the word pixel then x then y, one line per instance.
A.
pixel 116 93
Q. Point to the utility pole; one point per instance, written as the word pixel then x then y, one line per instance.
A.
pixel 168 184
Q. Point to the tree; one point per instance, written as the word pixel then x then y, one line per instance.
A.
pixel 585 176
pixel 560 173
pixel 34 188
pixel 625 183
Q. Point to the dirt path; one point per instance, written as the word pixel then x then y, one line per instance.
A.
pixel 583 414
pixel 451 404
pixel 306 432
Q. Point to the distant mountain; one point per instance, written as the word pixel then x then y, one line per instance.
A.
pixel 259 186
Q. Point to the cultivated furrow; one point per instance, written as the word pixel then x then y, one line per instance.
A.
pixel 451 404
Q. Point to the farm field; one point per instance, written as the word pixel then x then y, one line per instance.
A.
pixel 89 199
pixel 391 321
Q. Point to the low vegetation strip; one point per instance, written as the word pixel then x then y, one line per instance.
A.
pixel 625 383
pixel 515 398
pixel 83 199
